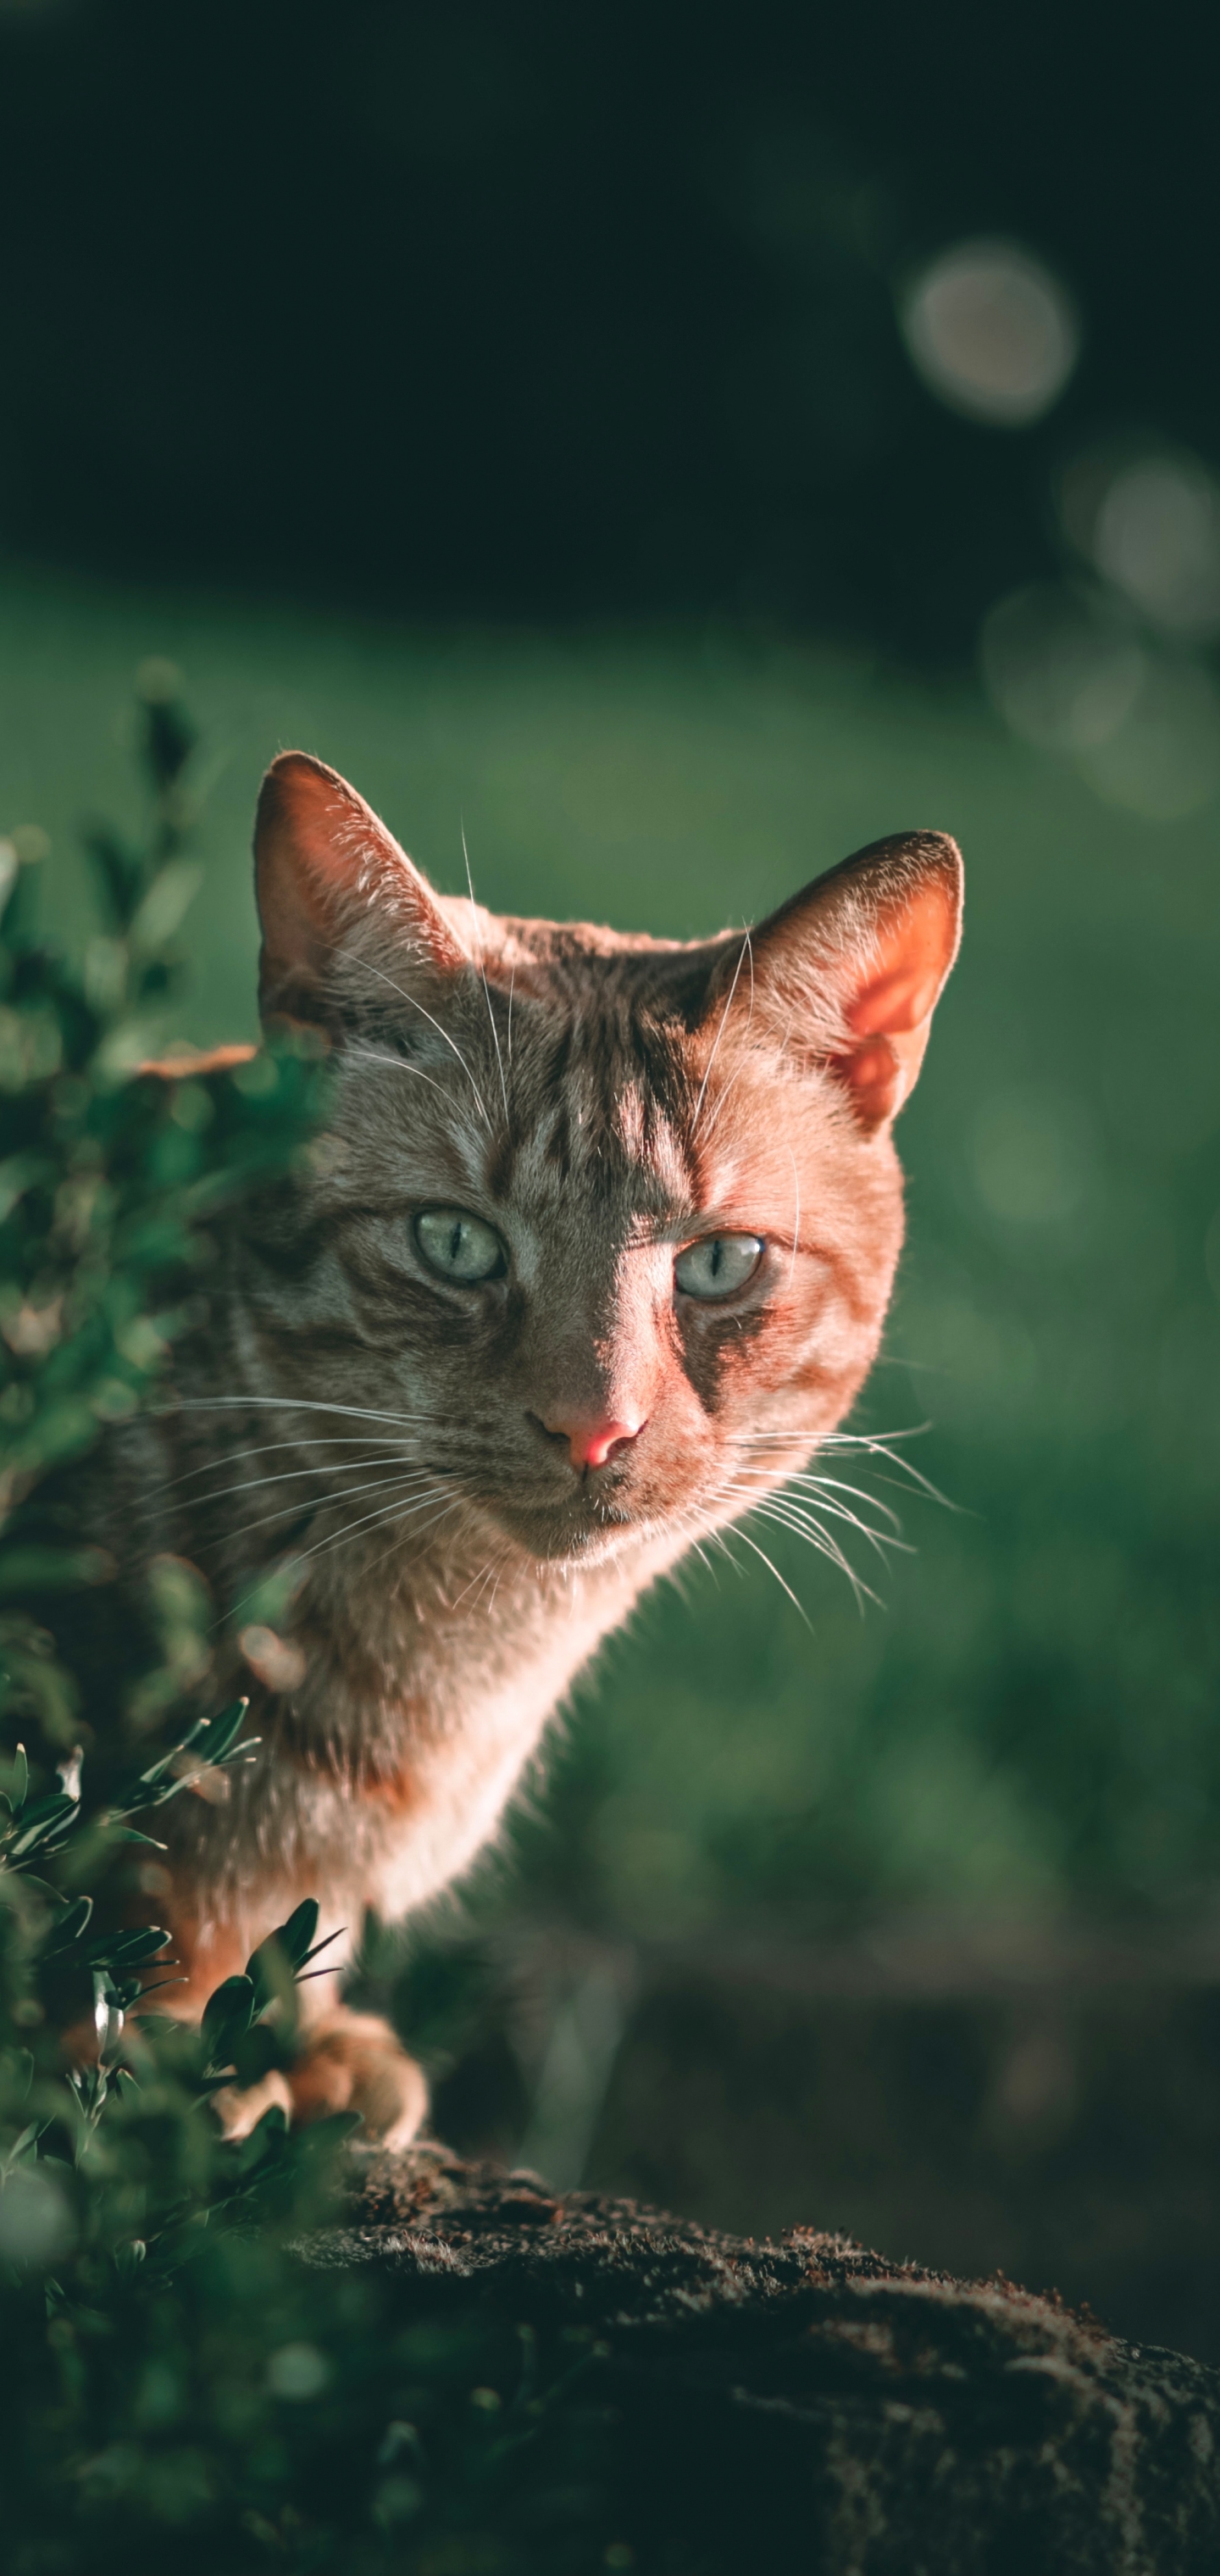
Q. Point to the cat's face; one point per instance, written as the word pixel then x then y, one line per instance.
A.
pixel 607 1225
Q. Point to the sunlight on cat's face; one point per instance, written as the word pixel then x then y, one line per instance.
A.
pixel 603 1228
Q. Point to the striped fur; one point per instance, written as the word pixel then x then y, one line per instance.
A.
pixel 600 1101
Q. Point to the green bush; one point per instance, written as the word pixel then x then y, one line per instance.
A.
pixel 169 2366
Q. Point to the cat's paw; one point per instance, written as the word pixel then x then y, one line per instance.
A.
pixel 239 2108
pixel 353 2062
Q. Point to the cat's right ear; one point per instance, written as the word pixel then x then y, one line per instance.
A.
pixel 847 974
pixel 336 893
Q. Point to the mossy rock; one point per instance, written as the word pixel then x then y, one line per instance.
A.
pixel 803 2405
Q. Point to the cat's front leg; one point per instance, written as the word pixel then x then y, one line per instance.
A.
pixel 353 2061
pixel 347 2062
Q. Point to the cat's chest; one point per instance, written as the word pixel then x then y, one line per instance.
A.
pixel 398 1752
pixel 407 1684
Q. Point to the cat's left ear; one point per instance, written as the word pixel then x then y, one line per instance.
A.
pixel 849 972
pixel 332 883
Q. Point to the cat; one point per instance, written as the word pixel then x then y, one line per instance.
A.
pixel 594 1250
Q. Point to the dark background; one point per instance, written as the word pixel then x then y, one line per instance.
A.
pixel 511 404
pixel 537 311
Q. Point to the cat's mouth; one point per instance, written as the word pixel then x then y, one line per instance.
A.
pixel 581 1529
pixel 556 1536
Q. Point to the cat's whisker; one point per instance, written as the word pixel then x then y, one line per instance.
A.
pixel 354 959
pixel 393 1549
pixel 265 1448
pixel 505 1557
pixel 496 1560
pixel 814 1478
pixel 725 1095
pixel 823 1545
pixel 761 1552
pixel 871 1444
pixel 371 1520
pixel 812 1531
pixel 799 1518
pixel 395 1063
pixel 689 1523
pixel 707 1070
pixel 864 1444
pixel 847 1439
pixel 336 1538
pixel 291 1511
pixel 832 1485
pixel 790 1512
pixel 296 1404
pixel 826 1488
pixel 290 1476
pixel 495 1034
pixel 406 1505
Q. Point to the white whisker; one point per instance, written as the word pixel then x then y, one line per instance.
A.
pixel 707 1070
pixel 416 1005
pixel 295 1404
pixel 774 1569
pixel 290 1476
pixel 335 1538
pixel 396 1063
pixel 372 1520
pixel 265 1448
pixel 821 1542
pixel 796 1214
pixel 825 1488
pixel 495 1034
pixel 293 1511
pixel 392 1550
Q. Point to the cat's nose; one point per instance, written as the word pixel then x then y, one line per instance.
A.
pixel 592 1443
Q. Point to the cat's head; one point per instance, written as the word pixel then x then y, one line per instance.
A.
pixel 609 1222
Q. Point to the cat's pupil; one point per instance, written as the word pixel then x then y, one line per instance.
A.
pixel 458 1246
pixel 718 1265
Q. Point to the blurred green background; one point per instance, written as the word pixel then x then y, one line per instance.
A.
pixel 1027 1715
pixel 680 453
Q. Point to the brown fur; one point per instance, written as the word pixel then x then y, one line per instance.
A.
pixel 601 1101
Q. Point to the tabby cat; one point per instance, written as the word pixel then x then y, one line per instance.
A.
pixel 594 1252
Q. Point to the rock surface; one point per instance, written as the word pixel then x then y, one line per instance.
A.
pixel 806 2406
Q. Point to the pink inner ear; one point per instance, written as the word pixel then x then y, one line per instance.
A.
pixel 891 1011
pixel 917 946
pixel 322 859
pixel 325 835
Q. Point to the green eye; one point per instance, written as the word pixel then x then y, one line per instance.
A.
pixel 458 1246
pixel 718 1265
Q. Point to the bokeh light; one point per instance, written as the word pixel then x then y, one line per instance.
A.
pixel 1150 523
pixel 1062 665
pixel 992 332
pixel 1163 760
pixel 1068 670
pixel 35 2220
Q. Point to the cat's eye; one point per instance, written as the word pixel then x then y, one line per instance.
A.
pixel 458 1246
pixel 718 1266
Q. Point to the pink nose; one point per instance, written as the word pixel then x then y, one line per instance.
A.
pixel 592 1444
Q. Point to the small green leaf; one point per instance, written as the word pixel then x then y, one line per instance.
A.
pixel 41 1822
pixel 70 1927
pixel 227 2016
pixel 223 1731
pixel 127 1949
pixel 297 1933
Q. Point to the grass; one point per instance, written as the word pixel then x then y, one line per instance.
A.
pixel 1030 1716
